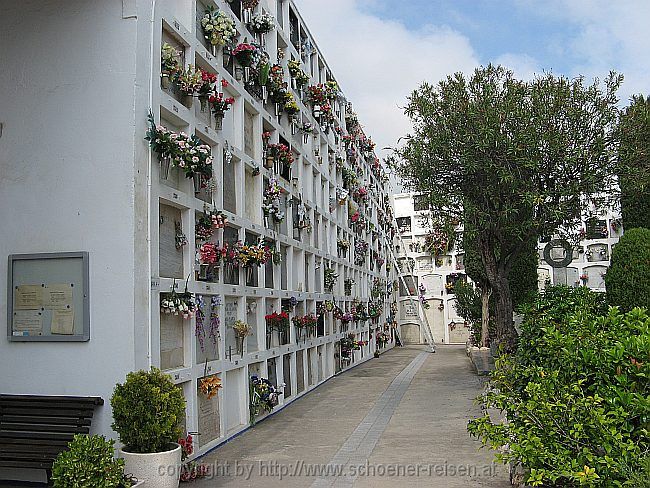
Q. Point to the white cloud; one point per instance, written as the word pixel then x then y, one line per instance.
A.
pixel 608 35
pixel 378 62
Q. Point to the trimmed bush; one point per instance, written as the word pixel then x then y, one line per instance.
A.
pixel 575 394
pixel 147 411
pixel 88 463
pixel 628 278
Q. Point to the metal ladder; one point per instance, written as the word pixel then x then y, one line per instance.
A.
pixel 424 324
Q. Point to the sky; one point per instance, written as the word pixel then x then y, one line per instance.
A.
pixel 381 50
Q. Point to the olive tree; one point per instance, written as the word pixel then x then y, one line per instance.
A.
pixel 634 163
pixel 515 159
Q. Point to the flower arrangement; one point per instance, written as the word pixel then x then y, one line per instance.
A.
pixel 272 205
pixel 218 27
pixel 361 194
pixel 437 241
pixel 188 153
pixel 242 329
pixel 210 254
pixel 210 386
pixel 262 23
pixel 349 177
pixel 299 76
pixel 245 54
pixel 169 59
pixel 212 332
pixel 250 4
pixel 375 309
pixel 290 106
pixel 332 90
pixel 329 278
pixel 251 255
pixel 263 396
pixel 190 80
pixel 207 223
pixel 281 153
pixel 220 104
pixel 346 317
pixel 190 470
pixel 342 243
pixel 360 252
pixel 277 321
pixel 307 323
pixel 347 285
pixel 182 304
pixel 307 128
pixel 359 311
pixel 317 95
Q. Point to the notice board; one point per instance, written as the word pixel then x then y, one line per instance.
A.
pixel 48 297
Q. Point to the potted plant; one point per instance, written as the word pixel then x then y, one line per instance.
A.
pixel 147 412
pixel 89 461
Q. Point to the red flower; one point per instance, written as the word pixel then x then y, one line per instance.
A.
pixel 224 83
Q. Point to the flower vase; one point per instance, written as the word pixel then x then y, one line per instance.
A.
pixel 247 14
pixel 218 121
pixel 165 164
pixel 203 272
pixel 247 73
pixel 265 93
pixel 196 178
pixel 187 100
pixel 294 127
pixel 239 73
pixel 294 83
pixel 277 167
pixel 249 274
pixel 165 81
pixel 305 138
pixel 204 104
pixel 214 49
pixel 240 345
pixel 278 110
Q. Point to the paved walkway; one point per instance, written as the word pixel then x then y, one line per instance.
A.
pixel 399 420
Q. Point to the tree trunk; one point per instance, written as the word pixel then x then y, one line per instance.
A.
pixel 486 292
pixel 506 334
pixel 497 275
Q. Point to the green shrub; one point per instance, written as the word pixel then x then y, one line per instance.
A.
pixel 88 463
pixel 628 279
pixel 147 411
pixel 575 394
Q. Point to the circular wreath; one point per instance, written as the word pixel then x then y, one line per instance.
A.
pixel 568 253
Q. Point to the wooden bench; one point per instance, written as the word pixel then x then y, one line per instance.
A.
pixel 34 429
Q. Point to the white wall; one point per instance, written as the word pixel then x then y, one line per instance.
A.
pixel 67 181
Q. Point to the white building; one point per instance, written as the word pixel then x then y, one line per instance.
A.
pixel 76 174
pixel 433 278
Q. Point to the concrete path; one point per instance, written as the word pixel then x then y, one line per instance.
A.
pixel 399 420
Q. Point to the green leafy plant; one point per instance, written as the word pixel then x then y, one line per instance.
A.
pixel 575 394
pixel 147 411
pixel 89 463
pixel 628 279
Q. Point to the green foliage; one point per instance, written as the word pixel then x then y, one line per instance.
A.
pixel 634 163
pixel 147 411
pixel 575 395
pixel 88 463
pixel 628 279
pixel 512 159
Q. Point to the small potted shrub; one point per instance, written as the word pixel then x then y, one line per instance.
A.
pixel 147 412
pixel 89 463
